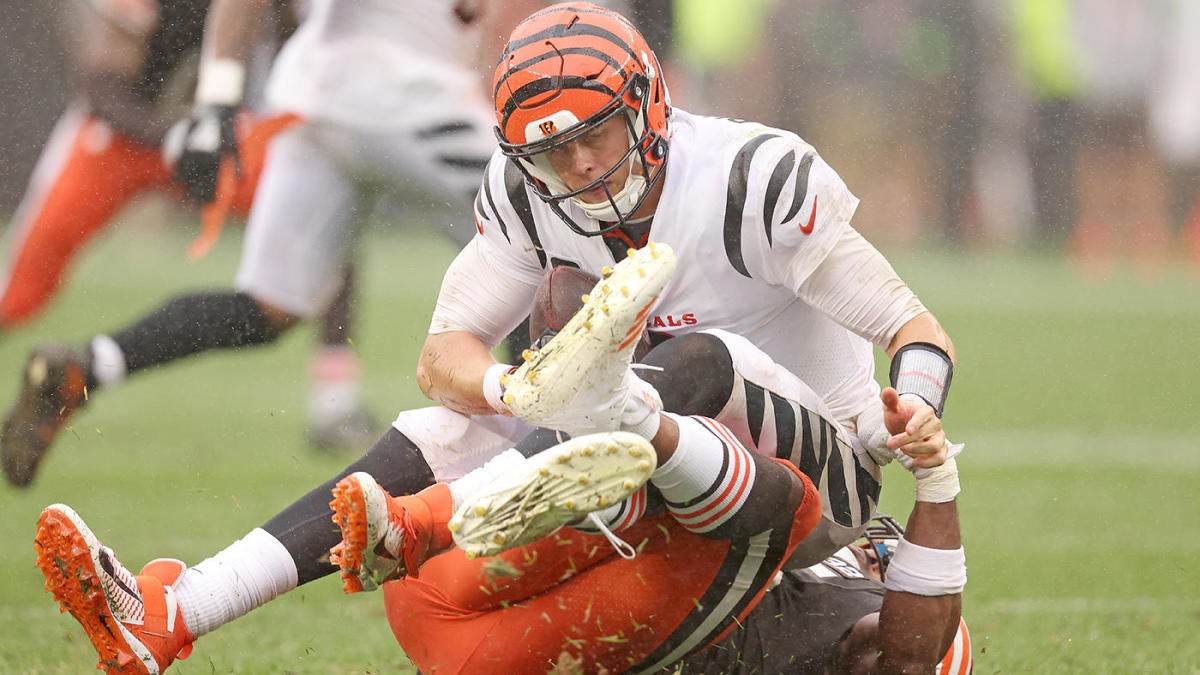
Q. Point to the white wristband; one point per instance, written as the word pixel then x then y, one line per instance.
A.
pixel 493 390
pixel 926 571
pixel 221 82
pixel 939 484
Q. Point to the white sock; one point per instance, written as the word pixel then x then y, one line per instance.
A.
pixel 469 485
pixel 335 383
pixel 248 574
pixel 708 477
pixel 108 361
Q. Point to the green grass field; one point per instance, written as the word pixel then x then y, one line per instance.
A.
pixel 1076 400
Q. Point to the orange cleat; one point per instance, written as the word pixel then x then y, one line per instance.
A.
pixel 133 621
pixel 54 386
pixel 386 537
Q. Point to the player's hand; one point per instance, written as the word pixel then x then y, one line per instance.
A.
pixel 915 429
pixel 206 136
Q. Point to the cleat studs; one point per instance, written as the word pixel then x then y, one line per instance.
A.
pixel 641 272
pixel 471 555
pixel 604 308
pixel 634 452
pixel 588 452
pixel 583 480
pixel 625 291
pixel 644 466
pixel 454 525
pixel 603 501
pixel 481 511
pixel 586 298
pixel 612 449
pixel 570 504
pixel 498 538
pixel 628 484
pixel 587 325
pixel 527 354
pixel 564 458
pixel 507 398
pixel 543 471
pixel 631 252
pixel 606 270
pixel 504 380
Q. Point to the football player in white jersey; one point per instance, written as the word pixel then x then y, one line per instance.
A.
pixel 775 305
pixel 389 101
pixel 594 163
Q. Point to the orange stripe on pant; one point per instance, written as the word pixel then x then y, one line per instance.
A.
pixel 572 596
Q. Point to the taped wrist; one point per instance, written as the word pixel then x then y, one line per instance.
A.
pixel 493 387
pixel 924 369
pixel 939 484
pixel 926 571
pixel 221 82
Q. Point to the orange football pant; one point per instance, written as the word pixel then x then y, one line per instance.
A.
pixel 570 599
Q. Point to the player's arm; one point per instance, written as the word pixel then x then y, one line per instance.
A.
pixel 857 287
pixel 207 135
pixel 922 602
pixel 477 306
pixel 111 44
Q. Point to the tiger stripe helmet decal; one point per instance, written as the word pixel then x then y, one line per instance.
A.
pixel 565 71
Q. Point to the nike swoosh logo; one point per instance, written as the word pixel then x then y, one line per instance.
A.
pixel 812 219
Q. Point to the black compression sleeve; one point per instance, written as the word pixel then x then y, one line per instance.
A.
pixel 192 324
pixel 306 529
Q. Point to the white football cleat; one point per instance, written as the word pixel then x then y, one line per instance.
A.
pixel 555 487
pixel 580 381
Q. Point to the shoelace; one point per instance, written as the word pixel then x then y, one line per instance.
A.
pixel 622 547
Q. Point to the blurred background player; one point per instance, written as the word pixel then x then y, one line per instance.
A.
pixel 388 101
pixel 134 73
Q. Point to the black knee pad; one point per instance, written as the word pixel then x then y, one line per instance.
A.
pixel 696 376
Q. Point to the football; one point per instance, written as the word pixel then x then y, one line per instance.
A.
pixel 559 297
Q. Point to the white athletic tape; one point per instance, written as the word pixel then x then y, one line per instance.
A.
pixel 221 82
pixel 939 484
pixel 926 571
pixel 493 391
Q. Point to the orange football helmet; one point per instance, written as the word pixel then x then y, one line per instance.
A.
pixel 565 71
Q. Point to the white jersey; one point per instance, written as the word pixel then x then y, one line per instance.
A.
pixel 377 64
pixel 751 212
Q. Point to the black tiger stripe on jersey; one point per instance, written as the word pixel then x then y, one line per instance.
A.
pixel 801 186
pixel 735 201
pixel 474 164
pixel 514 185
pixel 495 213
pixel 868 492
pixel 774 186
pixel 730 594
